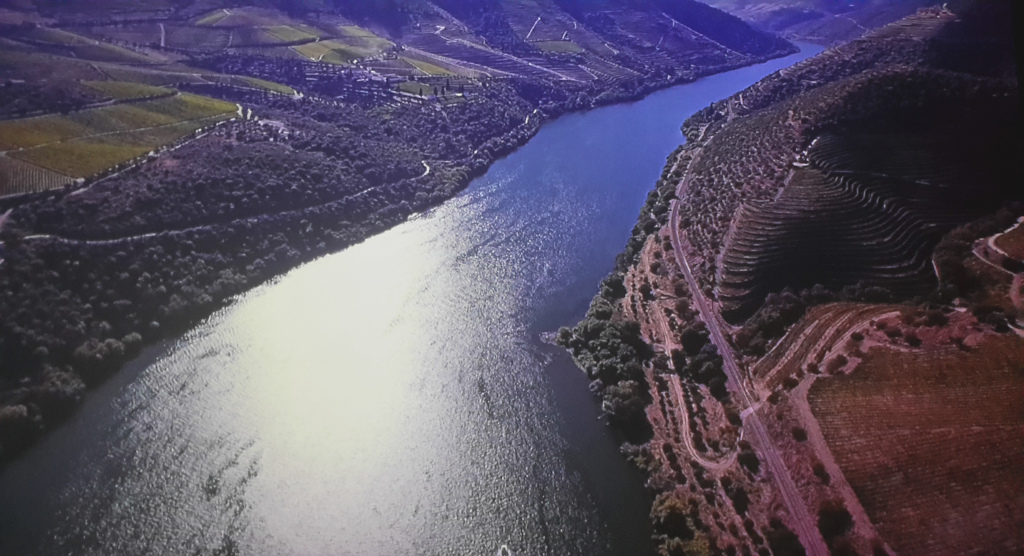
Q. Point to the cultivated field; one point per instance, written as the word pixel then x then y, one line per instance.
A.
pixel 933 445
pixel 83 143
pixel 862 208
pixel 811 338
pixel 20 177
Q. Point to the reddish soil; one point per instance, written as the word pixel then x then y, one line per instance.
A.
pixel 932 441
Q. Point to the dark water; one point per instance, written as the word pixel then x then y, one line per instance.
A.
pixel 391 399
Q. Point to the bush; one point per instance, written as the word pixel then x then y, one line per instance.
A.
pixel 669 515
pixel 783 541
pixel 748 459
pixel 821 473
pixel 624 402
pixel 834 520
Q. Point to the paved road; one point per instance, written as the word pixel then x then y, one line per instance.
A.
pixel 806 526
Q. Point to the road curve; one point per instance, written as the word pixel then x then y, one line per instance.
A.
pixel 806 527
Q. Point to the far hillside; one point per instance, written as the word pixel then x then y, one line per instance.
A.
pixel 107 53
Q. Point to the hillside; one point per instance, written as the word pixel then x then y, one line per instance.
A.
pixel 158 158
pixel 827 22
pixel 843 219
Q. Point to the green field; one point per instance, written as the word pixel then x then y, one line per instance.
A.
pixel 83 143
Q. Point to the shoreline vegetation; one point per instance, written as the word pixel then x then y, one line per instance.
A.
pixel 646 342
pixel 94 272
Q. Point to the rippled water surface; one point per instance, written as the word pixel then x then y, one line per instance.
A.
pixel 392 399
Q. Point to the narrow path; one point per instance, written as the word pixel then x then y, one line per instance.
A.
pixel 532 28
pixel 806 526
pixel 427 171
pixel 675 386
pixel 163 36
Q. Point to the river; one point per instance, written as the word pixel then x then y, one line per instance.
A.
pixel 390 399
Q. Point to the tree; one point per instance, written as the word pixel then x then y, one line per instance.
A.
pixel 624 403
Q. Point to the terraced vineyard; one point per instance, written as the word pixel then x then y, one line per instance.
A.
pixel 933 445
pixel 817 332
pixel 864 208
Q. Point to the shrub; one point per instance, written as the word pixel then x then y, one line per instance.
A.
pixel 782 540
pixel 749 460
pixel 669 515
pixel 834 520
pixel 821 473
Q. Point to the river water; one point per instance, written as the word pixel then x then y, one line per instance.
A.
pixel 391 399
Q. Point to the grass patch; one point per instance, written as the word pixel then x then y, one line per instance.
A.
pixel 566 47
pixel 123 90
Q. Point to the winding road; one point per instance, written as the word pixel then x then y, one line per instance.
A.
pixel 806 527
